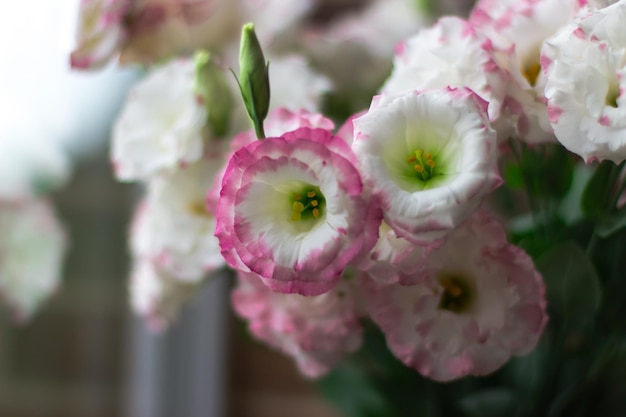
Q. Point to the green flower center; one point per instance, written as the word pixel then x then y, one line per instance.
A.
pixel 612 94
pixel 458 294
pixel 423 164
pixel 307 204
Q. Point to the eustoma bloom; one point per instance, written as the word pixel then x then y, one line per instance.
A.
pixel 101 32
pixel 316 331
pixel 454 54
pixel 158 296
pixel 477 300
pixel 161 125
pixel 585 66
pixel 174 228
pixel 521 27
pixel 293 210
pixel 430 157
pixel 32 248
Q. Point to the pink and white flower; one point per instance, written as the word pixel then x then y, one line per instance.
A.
pixel 393 259
pixel 430 157
pixel 32 250
pixel 477 301
pixel 146 31
pixel 174 228
pixel 521 27
pixel 101 32
pixel 156 295
pixel 161 125
pixel 449 54
pixel 585 66
pixel 317 332
pixel 293 210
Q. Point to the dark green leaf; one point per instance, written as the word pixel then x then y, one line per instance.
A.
pixel 611 223
pixel 350 389
pixel 513 176
pixel 558 172
pixel 594 196
pixel 573 287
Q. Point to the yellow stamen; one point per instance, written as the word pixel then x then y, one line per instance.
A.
pixel 451 288
pixel 411 158
pixel 430 163
pixel 418 168
pixel 314 203
pixel 316 213
pixel 310 194
pixel 297 197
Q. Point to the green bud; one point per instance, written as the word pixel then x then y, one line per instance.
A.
pixel 254 78
pixel 212 88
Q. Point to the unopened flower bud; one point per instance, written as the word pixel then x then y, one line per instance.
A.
pixel 212 88
pixel 254 78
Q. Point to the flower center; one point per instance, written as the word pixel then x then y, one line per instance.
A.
pixel 457 294
pixel 531 72
pixel 423 164
pixel 307 204
pixel 613 94
pixel 197 208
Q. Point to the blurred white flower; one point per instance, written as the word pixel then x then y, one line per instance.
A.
pixel 157 296
pixel 161 126
pixel 32 249
pixel 317 332
pixel 174 228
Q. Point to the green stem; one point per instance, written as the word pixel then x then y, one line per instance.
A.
pixel 534 207
pixel 258 128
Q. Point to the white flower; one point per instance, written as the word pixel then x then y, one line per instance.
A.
pixel 174 228
pixel 430 157
pixel 476 301
pixel 32 248
pixel 101 32
pixel 451 53
pixel 295 85
pixel 522 27
pixel 157 296
pixel 585 65
pixel 160 127
pixel 392 258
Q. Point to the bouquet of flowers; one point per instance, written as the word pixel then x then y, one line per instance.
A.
pixel 469 222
